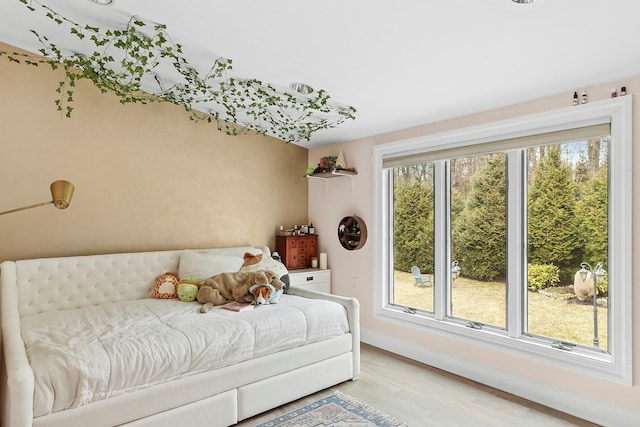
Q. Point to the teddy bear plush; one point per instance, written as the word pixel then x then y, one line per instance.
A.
pixel 228 287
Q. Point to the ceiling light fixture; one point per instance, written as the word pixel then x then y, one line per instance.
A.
pixel 524 1
pixel 102 2
pixel 301 88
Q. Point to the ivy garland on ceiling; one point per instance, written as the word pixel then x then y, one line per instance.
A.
pixel 124 63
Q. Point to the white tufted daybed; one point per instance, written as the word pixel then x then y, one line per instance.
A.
pixel 84 342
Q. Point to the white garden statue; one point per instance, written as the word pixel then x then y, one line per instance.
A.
pixel 583 288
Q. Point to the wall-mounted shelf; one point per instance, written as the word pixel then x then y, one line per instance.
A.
pixel 336 173
pixel 333 174
pixel 352 232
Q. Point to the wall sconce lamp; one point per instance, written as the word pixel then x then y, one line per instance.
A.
pixel 61 193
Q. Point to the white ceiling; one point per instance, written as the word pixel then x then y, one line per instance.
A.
pixel 400 63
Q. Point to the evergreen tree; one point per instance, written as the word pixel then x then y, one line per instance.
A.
pixel 479 231
pixel 553 227
pixel 413 225
pixel 592 213
pixel 457 207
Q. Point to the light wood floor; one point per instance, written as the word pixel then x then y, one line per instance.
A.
pixel 422 396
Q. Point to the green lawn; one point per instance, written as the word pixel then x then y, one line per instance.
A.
pixel 484 302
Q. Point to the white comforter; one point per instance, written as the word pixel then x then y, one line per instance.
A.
pixel 80 356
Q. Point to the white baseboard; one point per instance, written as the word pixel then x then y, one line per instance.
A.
pixel 583 407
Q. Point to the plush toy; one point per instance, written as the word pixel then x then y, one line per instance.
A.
pixel 166 286
pixel 251 259
pixel 258 262
pixel 228 287
pixel 188 289
pixel 265 294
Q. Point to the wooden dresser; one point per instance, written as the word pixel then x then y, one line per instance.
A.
pixel 297 251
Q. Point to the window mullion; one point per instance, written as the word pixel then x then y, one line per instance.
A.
pixel 441 238
pixel 387 248
pixel 516 243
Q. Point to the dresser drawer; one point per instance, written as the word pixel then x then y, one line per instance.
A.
pixel 311 278
pixel 291 244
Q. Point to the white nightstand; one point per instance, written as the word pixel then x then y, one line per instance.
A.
pixel 311 278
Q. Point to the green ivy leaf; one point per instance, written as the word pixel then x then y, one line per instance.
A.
pixel 284 115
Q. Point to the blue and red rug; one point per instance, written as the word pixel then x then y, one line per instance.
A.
pixel 337 409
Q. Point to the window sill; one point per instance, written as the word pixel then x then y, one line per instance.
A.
pixel 581 360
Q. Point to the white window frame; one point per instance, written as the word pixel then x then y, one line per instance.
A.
pixel 614 365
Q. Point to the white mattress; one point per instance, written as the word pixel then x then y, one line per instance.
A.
pixel 83 355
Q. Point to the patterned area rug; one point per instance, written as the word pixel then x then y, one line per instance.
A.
pixel 337 409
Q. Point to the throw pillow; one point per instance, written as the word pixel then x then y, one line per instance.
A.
pixel 203 265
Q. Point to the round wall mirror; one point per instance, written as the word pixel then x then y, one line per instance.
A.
pixel 352 232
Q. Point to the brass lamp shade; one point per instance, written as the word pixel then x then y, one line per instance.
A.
pixel 61 193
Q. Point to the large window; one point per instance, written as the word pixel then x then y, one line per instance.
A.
pixel 515 234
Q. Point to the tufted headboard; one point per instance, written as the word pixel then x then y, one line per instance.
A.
pixel 66 283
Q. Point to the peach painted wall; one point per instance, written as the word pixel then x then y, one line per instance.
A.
pixel 327 206
pixel 146 177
